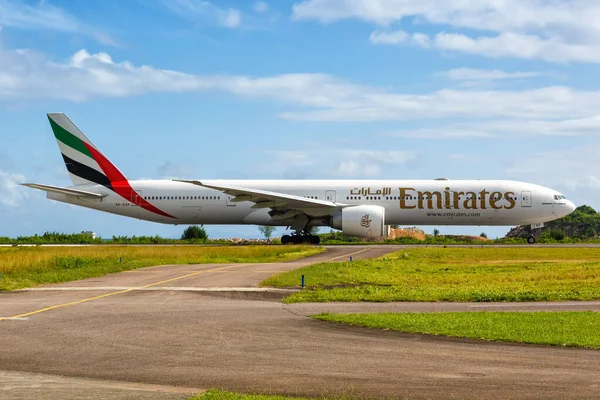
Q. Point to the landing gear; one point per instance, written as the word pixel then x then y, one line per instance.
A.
pixel 532 229
pixel 300 238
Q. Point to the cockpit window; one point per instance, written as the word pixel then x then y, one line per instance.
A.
pixel 559 197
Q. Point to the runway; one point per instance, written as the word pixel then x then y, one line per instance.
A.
pixel 175 330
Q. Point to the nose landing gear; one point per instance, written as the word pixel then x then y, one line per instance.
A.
pixel 533 228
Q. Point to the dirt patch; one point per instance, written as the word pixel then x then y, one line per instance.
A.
pixel 468 238
pixel 413 233
pixel 419 234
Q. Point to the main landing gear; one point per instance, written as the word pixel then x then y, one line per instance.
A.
pixel 531 240
pixel 300 238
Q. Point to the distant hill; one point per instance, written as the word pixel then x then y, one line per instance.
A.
pixel 583 223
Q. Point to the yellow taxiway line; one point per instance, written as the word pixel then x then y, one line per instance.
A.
pixel 348 255
pixel 115 293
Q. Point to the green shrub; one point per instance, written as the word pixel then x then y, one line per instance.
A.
pixel 194 232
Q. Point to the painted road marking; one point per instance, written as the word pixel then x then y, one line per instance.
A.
pixel 156 288
pixel 534 304
pixel 119 292
pixel 147 286
pixel 13 318
pixel 348 255
pixel 271 272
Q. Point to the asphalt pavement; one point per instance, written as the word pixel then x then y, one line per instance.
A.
pixel 168 331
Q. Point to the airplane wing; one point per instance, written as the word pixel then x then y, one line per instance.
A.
pixel 267 199
pixel 67 191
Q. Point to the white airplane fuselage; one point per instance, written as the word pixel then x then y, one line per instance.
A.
pixel 363 208
pixel 406 202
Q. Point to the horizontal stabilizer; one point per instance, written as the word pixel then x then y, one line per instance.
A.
pixel 67 191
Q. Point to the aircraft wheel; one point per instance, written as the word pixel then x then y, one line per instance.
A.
pixel 531 240
pixel 286 239
pixel 315 239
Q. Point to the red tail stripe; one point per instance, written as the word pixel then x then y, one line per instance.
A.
pixel 120 184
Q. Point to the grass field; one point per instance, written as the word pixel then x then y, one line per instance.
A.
pixel 571 329
pixel 22 267
pixel 223 395
pixel 453 274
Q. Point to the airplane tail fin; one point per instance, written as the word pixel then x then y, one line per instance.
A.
pixel 84 161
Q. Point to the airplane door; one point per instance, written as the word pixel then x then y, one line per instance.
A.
pixel 330 195
pixel 136 198
pixel 526 199
pixel 228 201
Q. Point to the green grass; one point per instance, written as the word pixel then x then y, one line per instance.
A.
pixel 22 267
pixel 569 329
pixel 214 394
pixel 453 274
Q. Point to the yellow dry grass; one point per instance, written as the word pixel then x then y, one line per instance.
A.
pixel 27 266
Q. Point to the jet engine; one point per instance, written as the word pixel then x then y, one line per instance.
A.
pixel 361 221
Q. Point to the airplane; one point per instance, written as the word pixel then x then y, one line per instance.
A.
pixel 363 208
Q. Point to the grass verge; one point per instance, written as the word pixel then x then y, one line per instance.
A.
pixel 567 329
pixel 22 267
pixel 453 274
pixel 214 394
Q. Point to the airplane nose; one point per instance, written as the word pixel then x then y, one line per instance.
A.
pixel 570 206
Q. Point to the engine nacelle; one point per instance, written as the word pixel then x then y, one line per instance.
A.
pixel 361 221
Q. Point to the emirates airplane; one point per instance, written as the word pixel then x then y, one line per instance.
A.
pixel 357 207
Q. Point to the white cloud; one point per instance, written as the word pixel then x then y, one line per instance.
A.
pixel 11 192
pixel 471 74
pixel 260 7
pixel 573 169
pixel 508 44
pixel 588 126
pixel 395 37
pixel 27 75
pixel 550 30
pixel 39 16
pixel 473 14
pixel 518 45
pixel 231 18
pixel 455 131
pixel 326 162
pixel 171 170
pixel 202 10
pixel 43 16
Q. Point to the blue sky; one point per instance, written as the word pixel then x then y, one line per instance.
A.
pixel 304 89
